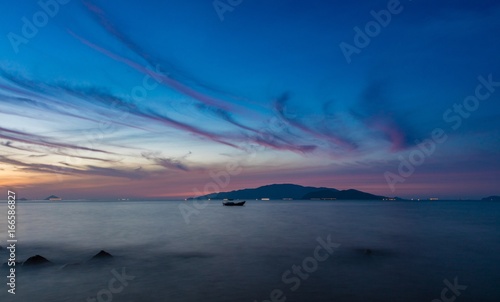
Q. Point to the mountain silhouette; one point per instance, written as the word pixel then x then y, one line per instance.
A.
pixel 292 191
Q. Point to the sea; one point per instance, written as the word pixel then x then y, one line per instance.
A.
pixel 271 251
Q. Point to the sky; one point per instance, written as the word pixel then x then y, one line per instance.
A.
pixel 173 99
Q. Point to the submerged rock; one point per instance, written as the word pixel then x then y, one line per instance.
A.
pixel 102 255
pixel 36 260
pixel 367 252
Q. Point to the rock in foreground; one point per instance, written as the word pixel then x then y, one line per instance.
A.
pixel 36 260
pixel 102 255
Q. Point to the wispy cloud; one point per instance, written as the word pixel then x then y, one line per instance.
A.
pixel 14 135
pixel 280 105
pixel 166 162
pixel 92 170
pixel 94 104
pixel 376 110
pixel 162 77
pixel 173 76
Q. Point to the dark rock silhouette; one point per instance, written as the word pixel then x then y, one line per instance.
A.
pixel 368 252
pixel 102 255
pixel 36 260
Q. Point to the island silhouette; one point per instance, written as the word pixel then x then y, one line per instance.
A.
pixel 294 192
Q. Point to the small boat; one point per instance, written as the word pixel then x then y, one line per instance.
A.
pixel 232 203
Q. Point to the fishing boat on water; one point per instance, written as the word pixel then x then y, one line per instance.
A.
pixel 233 203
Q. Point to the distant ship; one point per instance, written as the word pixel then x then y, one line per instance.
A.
pixel 53 198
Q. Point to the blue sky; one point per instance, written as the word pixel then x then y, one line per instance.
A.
pixel 149 98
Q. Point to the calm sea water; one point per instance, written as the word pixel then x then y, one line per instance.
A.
pixel 241 253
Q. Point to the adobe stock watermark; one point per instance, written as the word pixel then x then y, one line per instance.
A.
pixel 455 289
pixel 362 36
pixel 116 285
pixel 454 116
pixel 11 240
pixel 299 273
pixel 95 136
pixel 138 94
pixel 221 179
pixel 30 27
pixel 223 6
